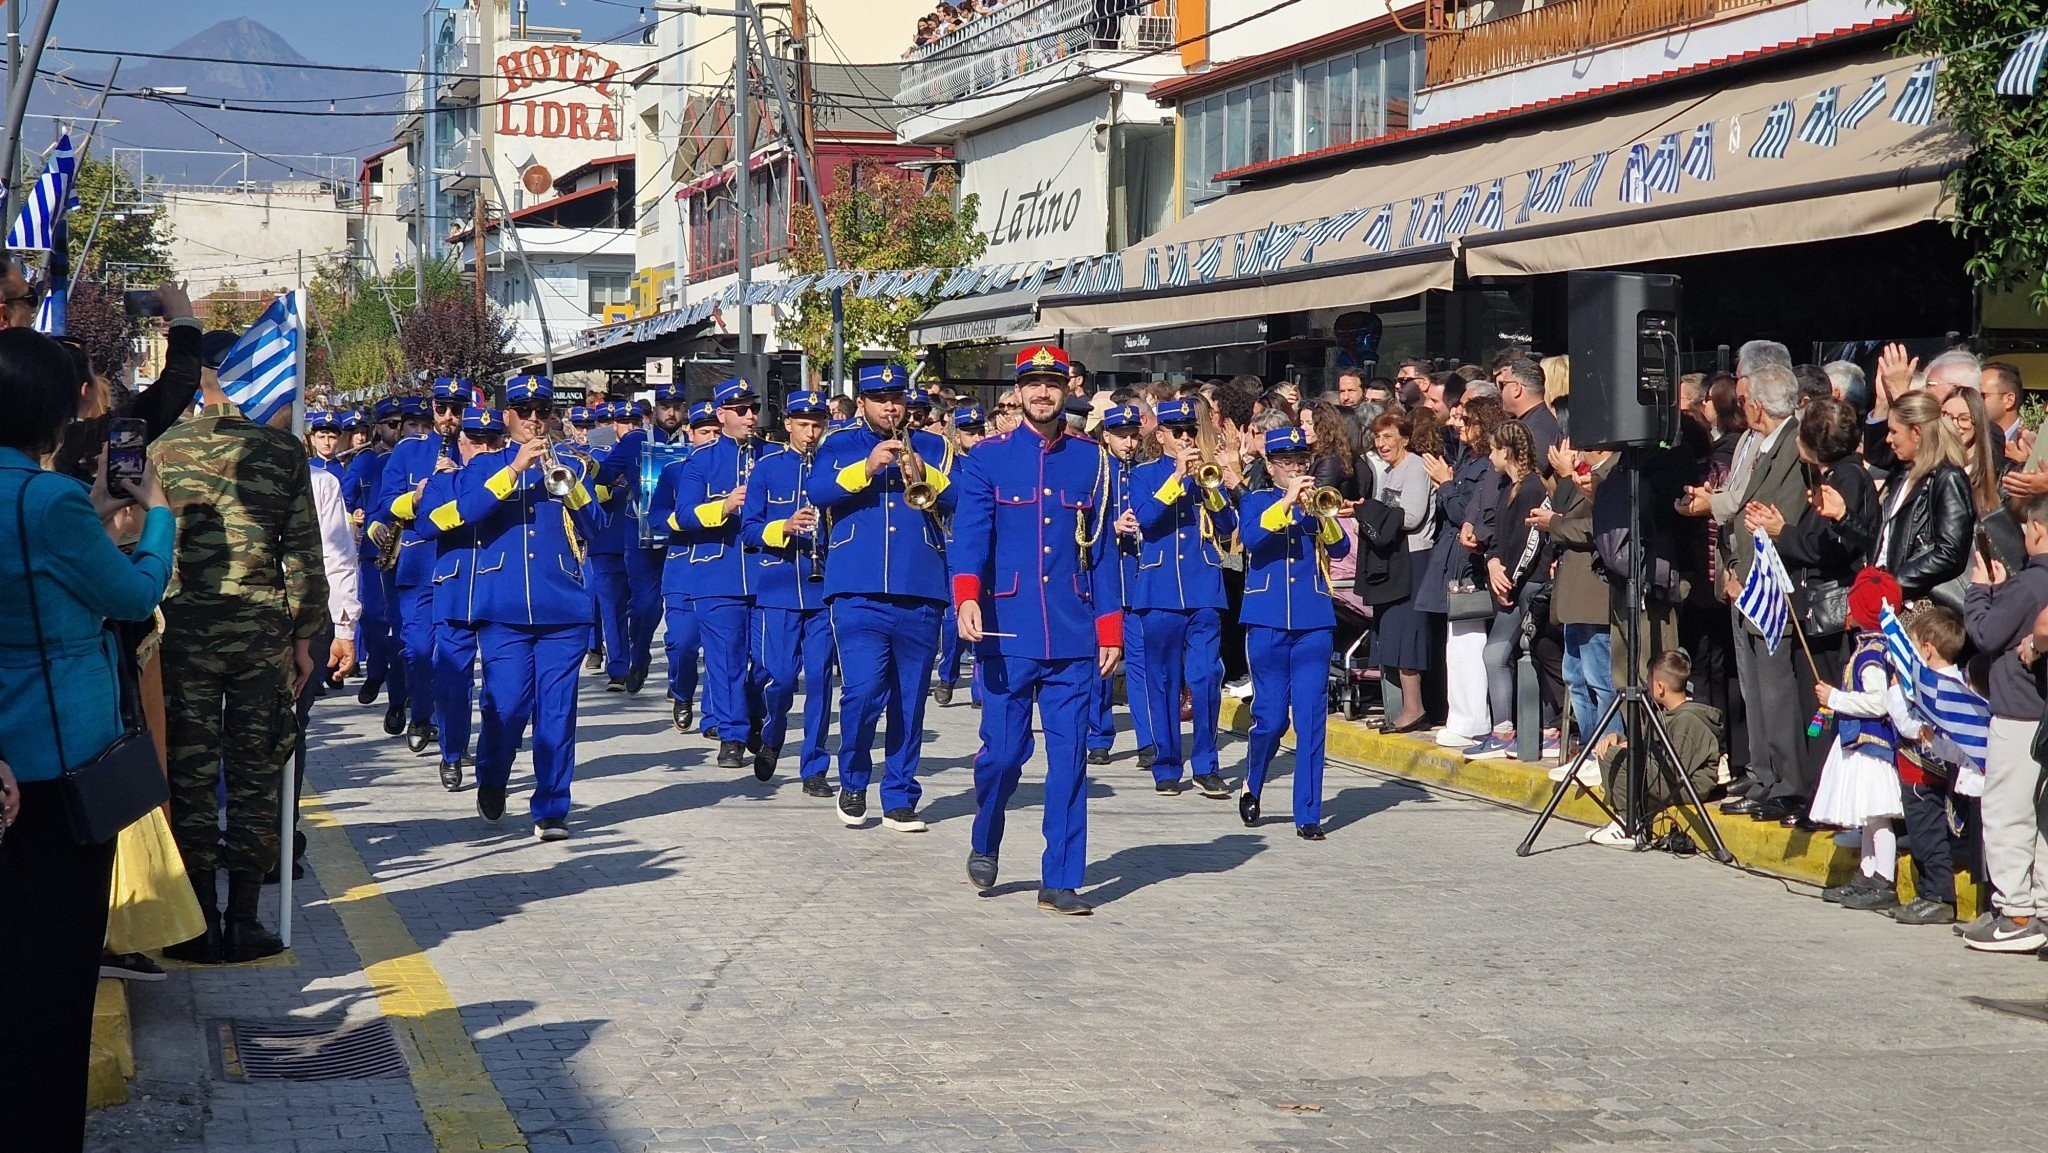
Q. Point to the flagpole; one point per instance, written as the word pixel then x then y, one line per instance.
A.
pixel 289 787
pixel 25 62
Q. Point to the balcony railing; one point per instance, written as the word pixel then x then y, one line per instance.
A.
pixel 1024 36
pixel 1557 28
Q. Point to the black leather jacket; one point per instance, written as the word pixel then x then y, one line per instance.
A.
pixel 1930 534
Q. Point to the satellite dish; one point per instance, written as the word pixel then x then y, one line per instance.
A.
pixel 537 180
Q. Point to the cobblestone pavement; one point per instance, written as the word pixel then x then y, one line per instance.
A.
pixel 715 964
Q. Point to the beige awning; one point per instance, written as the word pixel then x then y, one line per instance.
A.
pixel 1879 176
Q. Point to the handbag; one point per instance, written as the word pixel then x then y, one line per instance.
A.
pixel 126 780
pixel 1821 607
pixel 1464 601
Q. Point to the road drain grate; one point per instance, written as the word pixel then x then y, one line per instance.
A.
pixel 306 1050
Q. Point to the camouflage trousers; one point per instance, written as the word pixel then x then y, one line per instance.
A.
pixel 229 714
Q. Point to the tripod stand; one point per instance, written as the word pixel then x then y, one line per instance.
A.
pixel 1637 711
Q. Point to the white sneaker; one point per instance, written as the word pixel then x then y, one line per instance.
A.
pixel 1451 739
pixel 1611 835
pixel 1589 774
pixel 1240 689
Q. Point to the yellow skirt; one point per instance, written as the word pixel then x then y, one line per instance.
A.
pixel 153 905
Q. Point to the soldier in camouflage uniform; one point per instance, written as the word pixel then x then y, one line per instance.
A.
pixel 248 594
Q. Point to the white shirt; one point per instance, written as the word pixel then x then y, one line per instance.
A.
pixel 338 550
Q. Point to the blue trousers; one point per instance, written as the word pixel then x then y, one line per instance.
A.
pixel 728 686
pixel 1589 677
pixel 454 679
pixel 1185 646
pixel 376 590
pixel 1062 690
pixel 886 648
pixel 788 642
pixel 530 674
pixel 1289 668
pixel 682 640
pixel 608 583
pixel 643 602
pixel 416 633
pixel 1102 719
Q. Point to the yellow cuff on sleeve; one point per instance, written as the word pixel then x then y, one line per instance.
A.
pixel 502 483
pixel 776 533
pixel 1277 516
pixel 1214 500
pixel 711 513
pixel 577 498
pixel 1171 491
pixel 1331 532
pixel 405 506
pixel 604 494
pixel 854 477
pixel 447 517
pixel 673 524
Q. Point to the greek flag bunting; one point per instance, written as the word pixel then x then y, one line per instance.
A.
pixel 961 282
pixel 1820 119
pixel 1035 283
pixel 921 284
pixel 1177 266
pixel 48 199
pixel 1280 245
pixel 1635 186
pixel 993 277
pixel 1777 132
pixel 1074 277
pixel 1492 209
pixel 1151 269
pixel 1247 248
pixel 1460 219
pixel 1415 210
pixel 1945 701
pixel 1380 233
pixel 1766 599
pixel 1330 230
pixel 796 288
pixel 2022 71
pixel 1662 174
pixel 1109 273
pixel 1551 200
pixel 1584 198
pixel 1699 154
pixel 1872 99
pixel 1916 102
pixel 1432 231
pixel 1209 261
pixel 1530 195
pixel 260 372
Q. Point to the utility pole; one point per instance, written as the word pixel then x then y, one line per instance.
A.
pixel 800 33
pixel 743 180
pixel 476 243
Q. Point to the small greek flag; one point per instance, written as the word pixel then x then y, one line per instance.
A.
pixel 922 283
pixel 1770 143
pixel 1151 269
pixel 1584 198
pixel 1635 187
pixel 1109 273
pixel 1530 195
pixel 1946 701
pixel 51 313
pixel 1280 245
pixel 1209 261
pixel 1820 119
pixel 1916 103
pixel 260 372
pixel 1415 210
pixel 48 199
pixel 1492 209
pixel 790 290
pixel 1460 220
pixel 1432 231
pixel 1177 266
pixel 1035 283
pixel 1871 100
pixel 1699 154
pixel 1552 197
pixel 1662 174
pixel 1330 230
pixel 1071 277
pixel 1766 600
pixel 2022 71
pixel 1247 247
pixel 961 282
pixel 1379 235
pixel 991 277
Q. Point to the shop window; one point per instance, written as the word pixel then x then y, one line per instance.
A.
pixel 1237 132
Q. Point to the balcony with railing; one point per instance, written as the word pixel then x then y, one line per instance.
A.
pixel 1482 37
pixel 1024 36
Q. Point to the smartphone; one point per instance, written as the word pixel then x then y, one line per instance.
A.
pixel 143 302
pixel 127 452
pixel 1984 549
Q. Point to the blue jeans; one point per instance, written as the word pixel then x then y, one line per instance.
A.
pixel 1589 677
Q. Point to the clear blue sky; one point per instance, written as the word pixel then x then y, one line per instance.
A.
pixel 379 33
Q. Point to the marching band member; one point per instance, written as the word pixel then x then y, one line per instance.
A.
pixel 1031 534
pixel 970 426
pixel 1179 597
pixel 323 436
pixel 440 517
pixel 613 532
pixel 682 637
pixel 355 431
pixel 699 500
pixel 411 463
pixel 885 584
pixel 620 473
pixel 577 424
pixel 1122 433
pixel 792 630
pixel 1288 623
pixel 532 613
pixel 376 639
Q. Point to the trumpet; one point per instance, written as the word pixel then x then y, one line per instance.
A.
pixel 1209 475
pixel 1324 501
pixel 918 494
pixel 559 478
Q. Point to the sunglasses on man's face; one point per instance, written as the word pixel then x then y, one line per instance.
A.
pixel 481 437
pixel 448 406
pixel 394 422
pixel 531 411
pixel 744 409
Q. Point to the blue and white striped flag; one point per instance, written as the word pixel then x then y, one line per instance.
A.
pixel 1777 132
pixel 48 199
pixel 1551 199
pixel 1248 248
pixel 1946 701
pixel 1766 600
pixel 1073 278
pixel 1460 219
pixel 1035 283
pixel 961 282
pixel 1635 175
pixel 1662 174
pixel 993 277
pixel 1820 119
pixel 2022 71
pixel 1408 231
pixel 50 314
pixel 1432 231
pixel 1177 266
pixel 1109 273
pixel 1151 269
pixel 1916 103
pixel 260 372
pixel 1699 154
pixel 1493 208
pixel 1871 100
pixel 1530 195
pixel 1330 230
pixel 1591 185
pixel 1209 261
pixel 1380 233
pixel 1280 245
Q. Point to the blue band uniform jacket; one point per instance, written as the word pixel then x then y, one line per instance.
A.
pixel 1180 563
pixel 412 460
pixel 448 516
pixel 526 572
pixel 877 545
pixel 783 559
pixel 1284 585
pixel 690 500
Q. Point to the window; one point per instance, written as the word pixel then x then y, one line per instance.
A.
pixel 1260 133
pixel 1404 63
pixel 1237 133
pixel 1341 95
pixel 608 288
pixel 1283 114
pixel 1315 78
pixel 1371 120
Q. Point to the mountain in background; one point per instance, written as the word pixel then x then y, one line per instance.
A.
pixel 191 139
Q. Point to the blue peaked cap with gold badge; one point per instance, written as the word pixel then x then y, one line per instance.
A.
pixel 806 404
pixel 580 416
pixel 883 378
pixel 323 420
pixel 482 420
pixel 531 388
pixel 733 391
pixel 1123 416
pixel 970 416
pixel 703 412
pixel 1175 412
pixel 669 394
pixel 1282 441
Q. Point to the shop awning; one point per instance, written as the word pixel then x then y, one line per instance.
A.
pixel 1151 340
pixel 1011 315
pixel 627 344
pixel 1878 176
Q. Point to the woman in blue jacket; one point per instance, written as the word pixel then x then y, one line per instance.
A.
pixel 54 891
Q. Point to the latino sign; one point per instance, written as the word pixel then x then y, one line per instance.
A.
pixel 1043 182
pixel 558 92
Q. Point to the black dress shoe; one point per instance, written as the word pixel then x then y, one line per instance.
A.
pixel 420 735
pixel 394 718
pixel 942 694
pixel 1098 756
pixel 451 775
pixel 490 801
pixel 683 714
pixel 1310 832
pixel 819 786
pixel 1248 808
pixel 1738 806
pixel 1065 902
pixel 981 870
pixel 615 685
pixel 1800 821
pixel 732 754
pixel 367 695
pixel 1777 809
pixel 1166 788
pixel 764 763
pixel 636 679
pixel 1146 754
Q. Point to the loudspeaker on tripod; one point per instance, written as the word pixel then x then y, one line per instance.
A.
pixel 1622 329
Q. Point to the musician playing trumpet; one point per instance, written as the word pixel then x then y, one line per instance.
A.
pixel 792 633
pixel 1122 434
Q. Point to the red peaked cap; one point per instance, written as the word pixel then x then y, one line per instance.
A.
pixel 1872 589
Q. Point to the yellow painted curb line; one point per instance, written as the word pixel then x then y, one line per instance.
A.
pixel 462 1105
pixel 1809 857
pixel 112 1059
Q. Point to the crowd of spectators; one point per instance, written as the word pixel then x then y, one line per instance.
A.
pixel 949 17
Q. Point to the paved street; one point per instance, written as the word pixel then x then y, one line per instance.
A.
pixel 712 963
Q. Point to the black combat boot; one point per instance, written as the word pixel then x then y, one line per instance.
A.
pixel 205 948
pixel 242 936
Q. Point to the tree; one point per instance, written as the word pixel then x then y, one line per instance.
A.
pixel 97 317
pixel 131 244
pixel 452 336
pixel 2001 191
pixel 881 217
pixel 227 306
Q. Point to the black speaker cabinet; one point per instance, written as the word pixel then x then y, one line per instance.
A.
pixel 1623 331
